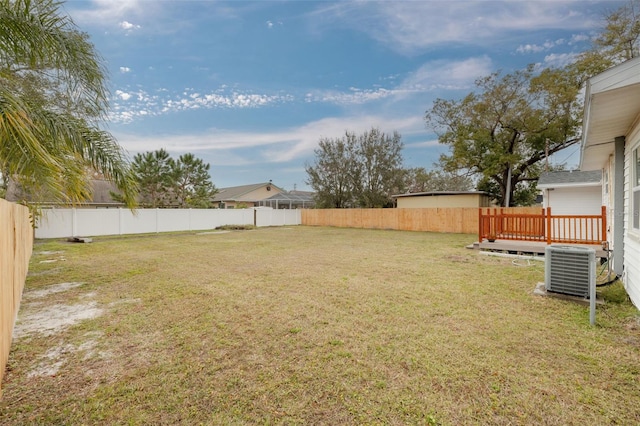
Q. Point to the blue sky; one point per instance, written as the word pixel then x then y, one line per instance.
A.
pixel 252 86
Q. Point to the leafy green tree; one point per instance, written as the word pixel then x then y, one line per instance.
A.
pixel 357 170
pixel 620 38
pixel 165 182
pixel 191 184
pixel 418 179
pixel 152 171
pixel 331 174
pixel 52 98
pixel 378 173
pixel 510 124
pixel 618 41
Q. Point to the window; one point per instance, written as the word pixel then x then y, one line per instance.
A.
pixel 635 170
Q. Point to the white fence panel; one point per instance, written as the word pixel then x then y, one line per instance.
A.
pixel 201 219
pixel 280 217
pixel 237 217
pixel 60 223
pixel 143 222
pixel 292 217
pixel 170 220
pixel 96 222
pixel 55 223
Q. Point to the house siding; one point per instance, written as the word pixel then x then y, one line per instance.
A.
pixel 632 237
pixel 607 196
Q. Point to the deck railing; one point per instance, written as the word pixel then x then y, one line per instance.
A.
pixel 500 223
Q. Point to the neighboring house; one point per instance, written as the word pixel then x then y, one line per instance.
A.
pixel 611 142
pixel 100 196
pixel 572 192
pixel 443 199
pixel 244 196
pixel 290 200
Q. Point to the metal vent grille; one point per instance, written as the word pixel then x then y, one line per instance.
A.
pixel 569 269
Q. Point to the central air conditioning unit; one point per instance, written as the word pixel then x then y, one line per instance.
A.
pixel 570 269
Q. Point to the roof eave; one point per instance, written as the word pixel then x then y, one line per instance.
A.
pixel 616 91
pixel 570 185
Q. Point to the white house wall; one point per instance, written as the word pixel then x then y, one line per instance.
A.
pixel 631 236
pixel 586 200
pixel 607 195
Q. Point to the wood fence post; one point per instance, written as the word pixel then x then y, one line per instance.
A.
pixel 548 230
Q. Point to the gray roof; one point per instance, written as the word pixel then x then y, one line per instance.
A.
pixel 570 178
pixel 439 193
pixel 295 196
pixel 234 193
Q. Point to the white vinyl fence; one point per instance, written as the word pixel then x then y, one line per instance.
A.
pixel 60 223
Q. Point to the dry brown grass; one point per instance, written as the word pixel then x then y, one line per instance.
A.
pixel 315 326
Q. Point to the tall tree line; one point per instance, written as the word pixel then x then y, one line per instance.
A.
pixel 357 170
pixel 167 182
pixel 366 170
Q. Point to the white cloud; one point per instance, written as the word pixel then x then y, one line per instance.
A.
pixel 453 75
pixel 535 48
pixel 166 103
pixel 123 95
pixel 424 144
pixel 106 12
pixel 267 147
pixel 354 96
pixel 529 48
pixel 271 24
pixel 414 26
pixel 125 25
pixel 559 60
pixel 435 75
pixel 579 38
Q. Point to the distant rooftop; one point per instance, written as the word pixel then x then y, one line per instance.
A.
pixel 439 193
pixel 292 196
pixel 570 178
pixel 236 193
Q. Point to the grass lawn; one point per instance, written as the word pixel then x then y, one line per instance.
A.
pixel 306 325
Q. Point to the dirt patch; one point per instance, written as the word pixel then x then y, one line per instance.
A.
pixel 52 289
pixel 50 363
pixel 53 319
pixel 59 258
pixel 38 319
pixel 49 252
pixel 48 320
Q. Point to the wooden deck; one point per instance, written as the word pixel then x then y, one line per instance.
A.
pixel 507 224
pixel 527 247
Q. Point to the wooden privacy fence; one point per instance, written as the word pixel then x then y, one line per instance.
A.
pixel 454 220
pixel 505 224
pixel 16 244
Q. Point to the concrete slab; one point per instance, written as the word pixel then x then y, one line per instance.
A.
pixel 526 247
pixel 541 290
